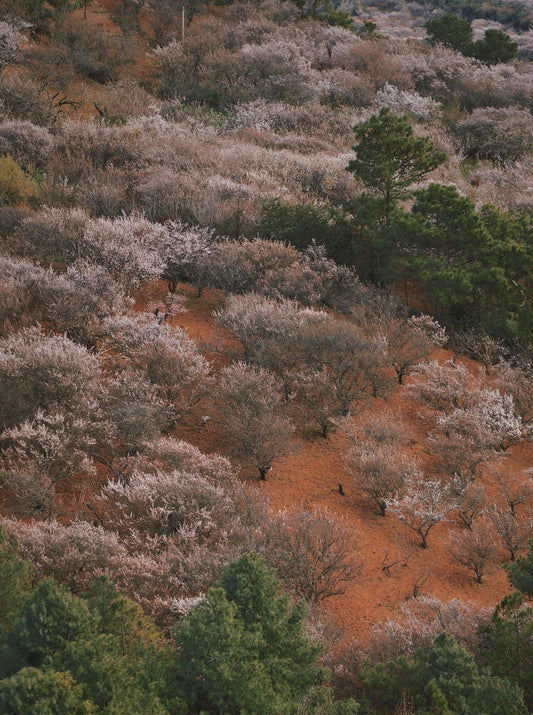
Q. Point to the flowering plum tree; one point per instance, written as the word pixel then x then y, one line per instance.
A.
pixel 470 435
pixel 165 355
pixel 48 372
pixel 423 504
pixel 130 248
pixel 251 403
pixel 10 42
pixel 411 342
pixel 379 470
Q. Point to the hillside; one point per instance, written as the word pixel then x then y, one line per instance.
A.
pixel 266 287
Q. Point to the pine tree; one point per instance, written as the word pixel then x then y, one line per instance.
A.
pixel 390 158
pixel 245 647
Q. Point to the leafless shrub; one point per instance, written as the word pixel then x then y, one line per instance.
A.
pixel 251 402
pixel 380 428
pixel 498 134
pixel 420 621
pixel 314 553
pixel 126 99
pixel 475 549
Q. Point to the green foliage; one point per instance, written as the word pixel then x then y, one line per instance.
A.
pixel 495 47
pixel 390 158
pixel 450 31
pixel 36 692
pixel 42 14
pixel 217 670
pixel 368 31
pixel 302 224
pixel 445 679
pixel 339 18
pixel 49 618
pixel 14 580
pixel 520 572
pixel 319 701
pixel 508 12
pixel 475 266
pixel 98 654
pixel 115 683
pixel 16 186
pixel 505 644
pixel 245 648
pixel 368 246
pixel 38 13
pixel 454 32
pixel 120 617
pixel 122 668
pixel 442 242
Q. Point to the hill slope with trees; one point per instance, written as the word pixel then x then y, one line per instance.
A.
pixel 265 331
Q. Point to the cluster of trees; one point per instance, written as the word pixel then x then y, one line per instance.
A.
pixel 474 427
pixel 473 265
pixel 241 129
pixel 244 646
pixel 452 31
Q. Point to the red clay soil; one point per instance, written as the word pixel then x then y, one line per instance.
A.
pixel 310 476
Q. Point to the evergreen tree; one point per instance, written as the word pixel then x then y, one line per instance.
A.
pixel 451 31
pixel 445 680
pixel 36 692
pixel 506 643
pixel 520 572
pixel 49 618
pixel 245 648
pixel 389 156
pixel 495 47
pixel 302 224
pixel 120 617
pixel 115 683
pixel 14 579
pixel 446 245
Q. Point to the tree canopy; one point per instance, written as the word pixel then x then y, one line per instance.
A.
pixel 245 647
pixel 390 158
